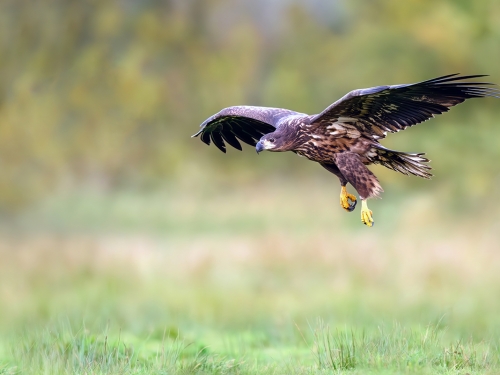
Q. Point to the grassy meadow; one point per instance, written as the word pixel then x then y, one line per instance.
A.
pixel 242 282
pixel 127 247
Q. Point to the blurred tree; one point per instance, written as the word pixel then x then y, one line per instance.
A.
pixel 107 93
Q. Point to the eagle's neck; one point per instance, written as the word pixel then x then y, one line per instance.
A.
pixel 295 134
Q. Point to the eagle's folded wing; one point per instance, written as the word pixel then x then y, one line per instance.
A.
pixel 246 123
pixel 378 110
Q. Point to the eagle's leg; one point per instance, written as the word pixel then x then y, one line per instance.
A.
pixel 345 197
pixel 363 180
pixel 366 214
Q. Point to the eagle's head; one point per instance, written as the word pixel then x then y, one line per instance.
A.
pixel 276 141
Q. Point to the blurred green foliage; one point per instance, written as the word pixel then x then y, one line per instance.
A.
pixel 106 93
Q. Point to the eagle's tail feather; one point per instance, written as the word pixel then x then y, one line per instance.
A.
pixel 404 162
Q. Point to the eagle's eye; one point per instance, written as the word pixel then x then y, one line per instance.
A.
pixel 271 139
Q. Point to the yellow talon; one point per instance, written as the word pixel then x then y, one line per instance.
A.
pixel 366 214
pixel 344 200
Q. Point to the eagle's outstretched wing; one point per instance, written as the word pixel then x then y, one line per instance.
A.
pixel 378 110
pixel 245 123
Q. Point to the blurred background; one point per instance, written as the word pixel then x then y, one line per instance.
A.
pixel 110 212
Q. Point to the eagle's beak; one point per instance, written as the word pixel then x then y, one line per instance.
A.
pixel 259 147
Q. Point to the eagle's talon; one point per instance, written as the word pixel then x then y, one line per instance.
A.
pixel 347 201
pixel 366 215
pixel 351 207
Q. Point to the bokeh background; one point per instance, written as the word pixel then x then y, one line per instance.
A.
pixel 111 215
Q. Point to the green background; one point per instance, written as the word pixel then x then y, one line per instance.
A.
pixel 128 247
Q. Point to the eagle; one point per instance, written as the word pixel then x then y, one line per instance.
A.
pixel 345 137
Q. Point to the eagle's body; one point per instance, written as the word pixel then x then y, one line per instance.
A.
pixel 322 143
pixel 344 138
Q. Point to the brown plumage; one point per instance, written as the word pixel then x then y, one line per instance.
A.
pixel 344 138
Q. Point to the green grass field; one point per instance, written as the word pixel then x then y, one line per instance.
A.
pixel 240 282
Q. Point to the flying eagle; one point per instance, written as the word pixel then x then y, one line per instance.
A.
pixel 344 138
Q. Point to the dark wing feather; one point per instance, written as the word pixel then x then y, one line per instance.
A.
pixel 231 139
pixel 382 109
pixel 245 123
